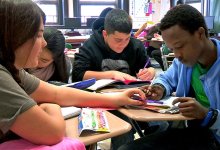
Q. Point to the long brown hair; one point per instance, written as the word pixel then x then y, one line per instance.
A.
pixel 20 21
pixel 56 45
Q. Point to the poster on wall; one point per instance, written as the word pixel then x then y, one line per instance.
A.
pixel 147 10
pixel 138 10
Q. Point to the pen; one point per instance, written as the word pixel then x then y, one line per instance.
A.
pixel 147 62
pixel 136 97
pixel 154 101
pixel 152 81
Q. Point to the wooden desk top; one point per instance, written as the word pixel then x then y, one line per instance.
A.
pixel 146 115
pixel 117 127
pixel 156 40
pixel 76 39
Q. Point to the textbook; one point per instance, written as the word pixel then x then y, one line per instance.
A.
pixel 117 84
pixel 162 106
pixel 71 111
pixel 92 120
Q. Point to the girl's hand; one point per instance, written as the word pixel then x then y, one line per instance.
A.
pixel 125 98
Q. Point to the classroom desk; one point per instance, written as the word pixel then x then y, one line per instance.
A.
pixel 146 115
pixel 117 127
pixel 76 39
pixel 154 42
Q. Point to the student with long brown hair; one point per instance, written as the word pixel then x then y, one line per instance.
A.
pixel 29 107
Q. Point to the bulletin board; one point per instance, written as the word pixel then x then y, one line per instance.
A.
pixel 137 11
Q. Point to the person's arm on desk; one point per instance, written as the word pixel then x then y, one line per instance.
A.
pixel 117 75
pixel 140 29
pixel 66 96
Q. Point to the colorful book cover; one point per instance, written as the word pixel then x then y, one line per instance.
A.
pixel 92 120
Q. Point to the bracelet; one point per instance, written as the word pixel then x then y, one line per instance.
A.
pixel 210 118
pixel 213 119
pixel 207 119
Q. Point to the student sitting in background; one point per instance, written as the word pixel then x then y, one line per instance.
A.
pixel 53 65
pixel 29 107
pixel 111 52
pixel 152 47
pixel 100 21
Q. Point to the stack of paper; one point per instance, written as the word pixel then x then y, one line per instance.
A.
pixel 162 106
pixel 70 111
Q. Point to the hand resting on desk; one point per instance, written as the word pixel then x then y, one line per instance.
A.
pixel 190 107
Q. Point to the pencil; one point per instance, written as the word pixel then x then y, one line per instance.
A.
pixel 152 81
pixel 147 92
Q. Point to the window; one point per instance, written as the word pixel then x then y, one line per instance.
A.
pixel 98 0
pixel 92 8
pixel 52 9
pixel 196 4
pixel 193 1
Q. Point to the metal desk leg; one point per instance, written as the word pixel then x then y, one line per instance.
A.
pixel 136 127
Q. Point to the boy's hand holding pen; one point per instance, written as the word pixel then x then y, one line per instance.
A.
pixel 153 91
pixel 147 90
pixel 146 74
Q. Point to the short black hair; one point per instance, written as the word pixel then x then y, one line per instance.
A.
pixel 179 2
pixel 186 16
pixel 118 20
pixel 105 12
